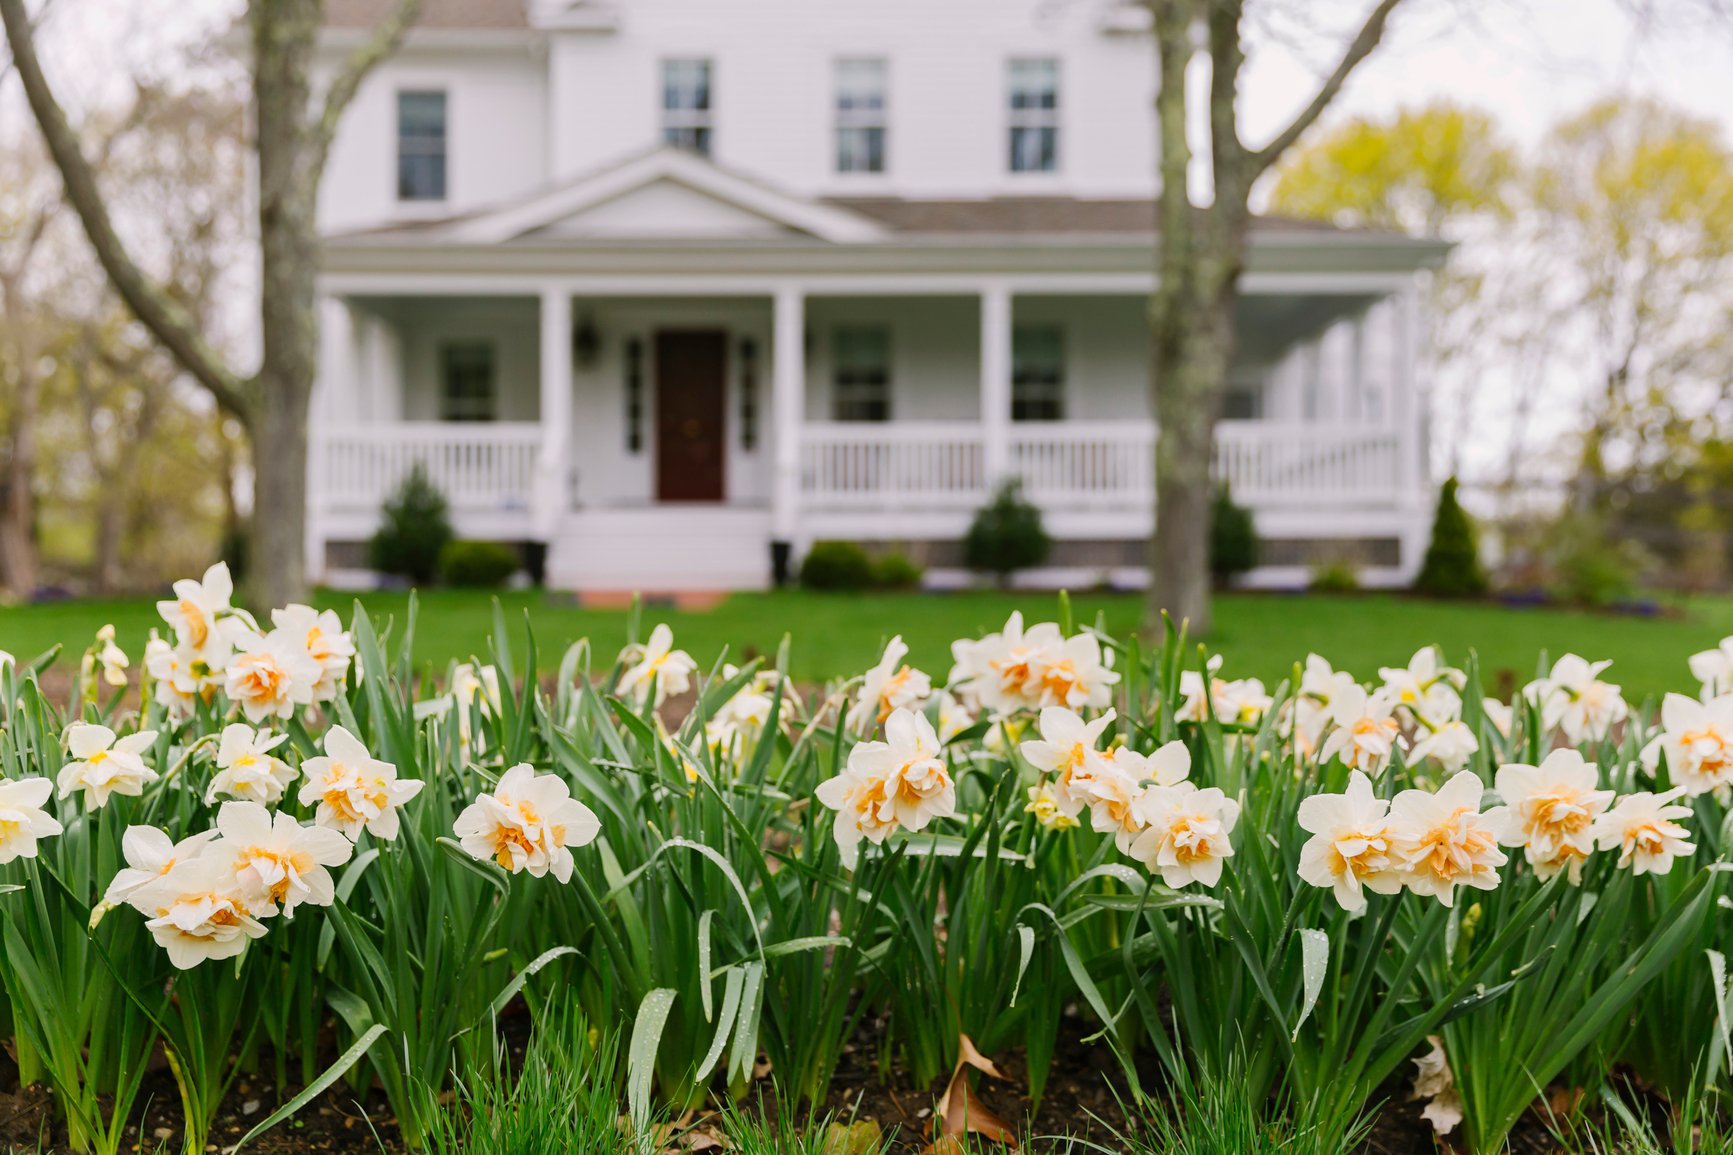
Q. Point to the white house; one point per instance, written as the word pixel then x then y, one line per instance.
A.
pixel 675 288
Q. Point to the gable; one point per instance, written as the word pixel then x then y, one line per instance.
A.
pixel 663 208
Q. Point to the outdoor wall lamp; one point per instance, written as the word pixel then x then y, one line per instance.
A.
pixel 586 342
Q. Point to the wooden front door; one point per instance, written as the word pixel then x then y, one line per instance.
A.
pixel 691 371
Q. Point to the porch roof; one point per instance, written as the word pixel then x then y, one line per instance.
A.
pixel 667 199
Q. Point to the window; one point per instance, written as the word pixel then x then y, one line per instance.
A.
pixel 1243 402
pixel 861 375
pixel 748 394
pixel 467 375
pixel 1035 115
pixel 687 112
pixel 1037 373
pixel 421 146
pixel 634 396
pixel 860 115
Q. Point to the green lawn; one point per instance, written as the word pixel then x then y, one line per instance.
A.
pixel 1261 635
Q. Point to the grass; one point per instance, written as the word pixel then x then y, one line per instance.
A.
pixel 1260 635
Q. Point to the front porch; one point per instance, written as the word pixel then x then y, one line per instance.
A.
pixel 719 431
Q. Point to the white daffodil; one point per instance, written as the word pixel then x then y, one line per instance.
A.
pixel 1365 730
pixel 1642 828
pixel 1451 745
pixel 529 822
pixel 195 614
pixel 1442 840
pixel 1072 674
pixel 175 685
pixel 355 791
pixel 1044 805
pixel 671 670
pixel 103 766
pixel 246 768
pixel 901 783
pixel 1574 699
pixel 149 855
pixel 1714 668
pixel 1066 747
pixel 110 657
pixel 891 685
pixel 327 643
pixel 1426 686
pixel 1001 673
pixel 1111 794
pixel 1350 850
pixel 1550 810
pixel 23 822
pixel 1499 714
pixel 1697 739
pixel 954 717
pixel 197 911
pixel 1186 833
pixel 270 676
pixel 279 863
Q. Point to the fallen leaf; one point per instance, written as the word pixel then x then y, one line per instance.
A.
pixel 966 1053
pixel 860 1138
pixel 961 1111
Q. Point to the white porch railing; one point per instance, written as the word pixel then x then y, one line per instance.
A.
pixel 478 467
pixel 846 463
pixel 1081 464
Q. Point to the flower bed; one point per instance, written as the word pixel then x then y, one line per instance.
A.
pixel 303 863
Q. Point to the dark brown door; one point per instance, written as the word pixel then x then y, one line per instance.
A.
pixel 691 369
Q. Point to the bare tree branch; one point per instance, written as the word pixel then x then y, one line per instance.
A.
pixel 1371 32
pixel 386 39
pixel 156 309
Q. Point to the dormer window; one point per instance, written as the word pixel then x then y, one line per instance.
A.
pixel 860 115
pixel 1035 115
pixel 688 113
pixel 421 146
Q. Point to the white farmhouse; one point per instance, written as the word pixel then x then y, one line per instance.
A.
pixel 667 290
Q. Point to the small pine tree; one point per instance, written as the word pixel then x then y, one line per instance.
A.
pixel 1452 567
pixel 413 528
pixel 1233 539
pixel 1006 535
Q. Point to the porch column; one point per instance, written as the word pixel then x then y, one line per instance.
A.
pixel 788 411
pixel 556 409
pixel 995 383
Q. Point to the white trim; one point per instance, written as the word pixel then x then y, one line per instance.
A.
pixel 787 408
pixel 664 164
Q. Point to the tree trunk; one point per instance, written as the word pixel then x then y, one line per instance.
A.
pixel 283 43
pixel 111 511
pixel 18 518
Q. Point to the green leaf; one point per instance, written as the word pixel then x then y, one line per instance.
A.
pixel 641 1055
pixel 523 976
pixel 1314 964
pixel 313 1090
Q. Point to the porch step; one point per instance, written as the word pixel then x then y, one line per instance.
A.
pixel 660 549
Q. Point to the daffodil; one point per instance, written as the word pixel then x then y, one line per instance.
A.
pixel 1044 805
pixel 1072 674
pixel 1450 745
pixel 1550 810
pixel 901 783
pixel 528 823
pixel 23 822
pixel 1573 698
pixel 660 663
pixel 279 863
pixel 1441 840
pixel 889 686
pixel 175 685
pixel 1426 686
pixel 1066 747
pixel 1365 730
pixel 196 612
pixel 355 791
pixel 110 657
pixel 1351 847
pixel 1001 673
pixel 270 676
pixel 1186 833
pixel 326 642
pixel 1697 740
pixel 197 911
pixel 246 768
pixel 104 765
pixel 1714 668
pixel 150 853
pixel 1644 829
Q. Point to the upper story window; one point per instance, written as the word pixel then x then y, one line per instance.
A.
pixel 421 146
pixel 860 115
pixel 1037 373
pixel 861 374
pixel 688 110
pixel 1034 115
pixel 467 381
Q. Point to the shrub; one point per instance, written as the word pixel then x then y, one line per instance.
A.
pixel 1452 567
pixel 1233 539
pixel 1335 577
pixel 836 565
pixel 413 529
pixel 1587 566
pixel 477 564
pixel 1006 535
pixel 898 571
